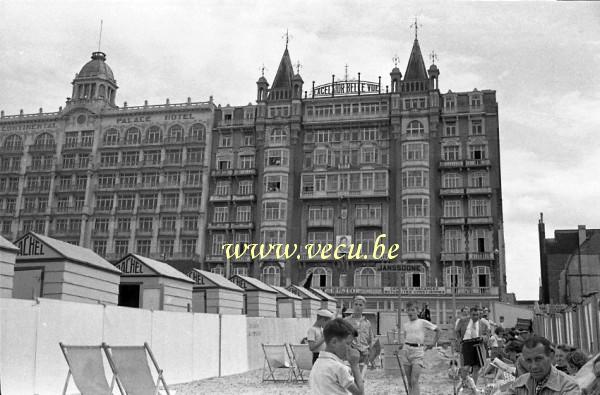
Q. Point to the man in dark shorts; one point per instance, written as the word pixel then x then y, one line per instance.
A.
pixel 472 334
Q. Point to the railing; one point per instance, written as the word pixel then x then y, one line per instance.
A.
pixel 453 256
pixel 479 190
pixel 219 198
pixel 162 106
pixel 221 172
pixel 244 172
pixel 248 197
pixel 478 163
pixel 42 148
pixel 242 225
pixel 481 256
pixel 447 164
pixel 311 194
pixel 451 191
pixel 447 291
pixel 13 149
pixel 366 222
pixel 480 220
pixel 452 221
pixel 322 222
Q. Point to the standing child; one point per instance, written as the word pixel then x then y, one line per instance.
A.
pixel 315 338
pixel 467 384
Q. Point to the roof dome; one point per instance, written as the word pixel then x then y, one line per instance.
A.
pixel 97 68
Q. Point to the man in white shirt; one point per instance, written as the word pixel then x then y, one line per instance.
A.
pixel 315 338
pixel 330 374
pixel 472 333
pixel 413 350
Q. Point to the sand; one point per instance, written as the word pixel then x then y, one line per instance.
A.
pixel 434 380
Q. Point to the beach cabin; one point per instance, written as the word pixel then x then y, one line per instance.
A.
pixel 8 255
pixel 213 293
pixel 50 268
pixel 327 301
pixel 150 284
pixel 260 299
pixel 310 302
pixel 288 304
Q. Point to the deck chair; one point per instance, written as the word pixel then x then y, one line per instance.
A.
pixel 130 365
pixel 276 358
pixel 86 366
pixel 301 358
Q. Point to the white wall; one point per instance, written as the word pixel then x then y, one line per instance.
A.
pixel 510 312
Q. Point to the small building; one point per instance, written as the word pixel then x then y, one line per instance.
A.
pixel 8 255
pixel 288 304
pixel 310 302
pixel 50 268
pixel 153 285
pixel 260 299
pixel 213 293
pixel 327 301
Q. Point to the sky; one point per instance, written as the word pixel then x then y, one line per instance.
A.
pixel 541 58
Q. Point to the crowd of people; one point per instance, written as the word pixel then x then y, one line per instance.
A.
pixel 342 348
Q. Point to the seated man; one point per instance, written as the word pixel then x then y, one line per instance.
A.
pixel 543 378
pixel 330 374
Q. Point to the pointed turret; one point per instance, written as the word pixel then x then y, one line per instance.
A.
pixel 282 84
pixel 415 70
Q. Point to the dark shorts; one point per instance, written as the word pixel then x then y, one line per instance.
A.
pixel 470 352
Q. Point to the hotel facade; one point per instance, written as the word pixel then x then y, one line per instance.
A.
pixel 344 161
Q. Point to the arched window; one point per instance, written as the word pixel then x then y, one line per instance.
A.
pixel 111 137
pixel 44 140
pixel 321 277
pixel 132 136
pixel 175 133
pixel 13 143
pixel 153 135
pixel 481 277
pixel 271 275
pixel 218 270
pixel 278 137
pixel 415 128
pixel 197 132
pixel 102 92
pixel 454 276
pixel 366 277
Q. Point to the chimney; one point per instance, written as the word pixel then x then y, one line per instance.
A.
pixel 582 234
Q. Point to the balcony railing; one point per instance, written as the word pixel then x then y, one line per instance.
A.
pixel 365 222
pixel 244 172
pixel 311 194
pixel 219 198
pixel 478 163
pixel 452 191
pixel 446 291
pixel 221 173
pixel 12 149
pixel 450 164
pixel 481 256
pixel 480 220
pixel 322 222
pixel 479 191
pixel 249 197
pixel 453 256
pixel 452 221
pixel 242 225
pixel 42 148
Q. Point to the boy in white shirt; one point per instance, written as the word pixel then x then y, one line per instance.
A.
pixel 330 374
pixel 413 350
pixel 316 341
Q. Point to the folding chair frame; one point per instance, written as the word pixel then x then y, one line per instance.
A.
pixel 271 372
pixel 159 371
pixel 64 347
pixel 298 376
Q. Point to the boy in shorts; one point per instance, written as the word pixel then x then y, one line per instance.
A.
pixel 413 350
pixel 330 374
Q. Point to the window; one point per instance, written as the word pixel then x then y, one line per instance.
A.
pixel 81 182
pixel 124 224
pixel 479 208
pixel 247 161
pixel 130 158
pixel 223 188
pixel 111 137
pixel 449 103
pixel 103 202
pixel 452 208
pixel 225 140
pixel 71 139
pixel 170 200
pixel 322 136
pixel 133 136
pixel 366 238
pixel 106 159
pixel 248 139
pixel 188 247
pixel 218 240
pixel 121 247
pixel 366 277
pixel 44 140
pixel 193 178
pixel 218 270
pixel 152 157
pixel 479 179
pixel 415 207
pixel 319 182
pixel 368 155
pixel 145 224
pixel 320 237
pixel 245 188
pixel 451 152
pixel 153 135
pixel 276 157
pixel 475 101
pixel 143 247
pixel 320 157
pixel 243 214
pixel 271 275
pixel 195 155
pixel 367 181
pixel 450 129
pixel 197 132
pixel 476 127
pixel 453 241
pixel 276 183
pixel 106 180
pixel 415 279
pixel 148 201
pixel 221 214
pixel 321 277
pixel 84 160
pixel 87 138
pixel 165 248
pixel 242 237
pixel 319 213
pixel 190 223
pixel 101 225
pixel 191 200
pixel 415 178
pixel 174 156
pixel 99 247
pixel 278 137
pixel 239 271
pixel 175 133
pixel 13 143
pixel 224 163
pixel 172 179
pixel 452 180
pixel 68 161
pixel 415 128
pixel 274 211
pixel 481 276
pixel 62 225
pixel 273 236
pixel 126 202
pixel 481 240
pixel 415 151
pixel 415 239
pixel 454 276
pixel 477 151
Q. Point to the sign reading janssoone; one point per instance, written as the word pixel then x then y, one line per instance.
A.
pixel 343 88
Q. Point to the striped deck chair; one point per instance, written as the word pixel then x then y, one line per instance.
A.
pixel 276 359
pixel 131 368
pixel 86 366
pixel 301 358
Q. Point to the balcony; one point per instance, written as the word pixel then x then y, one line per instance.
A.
pixel 148 185
pixel 127 187
pixel 452 220
pixel 480 220
pixel 17 149
pixel 146 210
pixel 68 209
pixel 143 232
pixel 100 232
pixel 416 256
pixel 77 146
pixel 481 256
pixel 244 172
pixel 478 163
pixel 11 169
pixel 244 198
pixel 190 207
pixel 188 232
pixel 35 210
pixel 124 209
pixel 311 194
pixel 173 140
pixel 65 232
pixel 168 208
pixel 451 164
pixel 194 140
pixel 453 256
pixel 463 291
pixel 479 191
pixel 215 258
pixel 42 148
pixel 452 191
pixel 36 189
pixel 122 233
pixel 173 163
pixel 108 165
pixel 392 291
pixel 321 222
pixel 242 225
pixel 221 173
pixel 366 222
pixel 191 185
pixel 150 163
pixel 167 231
pixel 219 198
pixel 218 225
pixel 39 168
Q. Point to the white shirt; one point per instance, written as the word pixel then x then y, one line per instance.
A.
pixel 315 334
pixel 415 330
pixel 329 375
pixel 472 330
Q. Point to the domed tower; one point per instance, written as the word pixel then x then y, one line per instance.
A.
pixel 95 83
pixel 434 73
